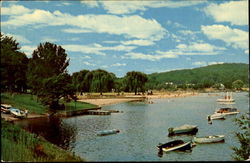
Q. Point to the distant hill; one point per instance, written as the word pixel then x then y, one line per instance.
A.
pixel 219 73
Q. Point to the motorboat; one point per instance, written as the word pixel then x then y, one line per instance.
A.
pixel 108 132
pixel 175 145
pixel 227 98
pixel 227 111
pixel 18 113
pixel 216 116
pixel 184 129
pixel 209 139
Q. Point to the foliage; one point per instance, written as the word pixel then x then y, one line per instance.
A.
pixel 237 84
pixel 47 74
pixel 80 83
pixel 13 65
pixel 135 81
pixel 202 77
pixel 243 152
pixel 20 146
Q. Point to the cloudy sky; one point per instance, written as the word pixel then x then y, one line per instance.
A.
pixel 121 36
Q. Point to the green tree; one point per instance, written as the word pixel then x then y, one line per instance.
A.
pixel 135 81
pixel 79 82
pixel 13 65
pixel 243 136
pixel 102 81
pixel 237 84
pixel 48 76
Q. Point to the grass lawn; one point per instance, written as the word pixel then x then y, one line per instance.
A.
pixel 18 145
pixel 29 102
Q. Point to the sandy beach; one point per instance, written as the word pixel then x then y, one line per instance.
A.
pixel 130 97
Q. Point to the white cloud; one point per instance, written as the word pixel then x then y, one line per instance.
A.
pixel 149 57
pixel 201 47
pixel 128 7
pixel 138 42
pixel 28 50
pixel 235 12
pixel 14 10
pixel 246 51
pixel 96 48
pixel 88 63
pixel 91 4
pixel 234 37
pixel 119 64
pixel 18 38
pixel 214 63
pixel 200 63
pixel 49 39
pixel 130 26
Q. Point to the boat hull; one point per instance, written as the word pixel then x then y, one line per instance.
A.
pixel 108 132
pixel 177 145
pixel 182 130
pixel 209 139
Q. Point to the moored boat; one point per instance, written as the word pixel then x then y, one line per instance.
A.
pixel 108 132
pixel 209 139
pixel 227 98
pixel 175 145
pixel 216 116
pixel 184 129
pixel 18 113
pixel 227 111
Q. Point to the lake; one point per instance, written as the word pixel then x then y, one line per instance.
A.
pixel 142 127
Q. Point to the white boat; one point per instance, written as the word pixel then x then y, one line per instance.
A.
pixel 227 98
pixel 5 108
pixel 209 139
pixel 227 111
pixel 175 145
pixel 18 113
pixel 216 116
pixel 184 129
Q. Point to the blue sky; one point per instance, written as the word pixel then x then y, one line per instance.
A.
pixel 122 36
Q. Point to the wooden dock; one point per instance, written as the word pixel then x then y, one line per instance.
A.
pixel 99 112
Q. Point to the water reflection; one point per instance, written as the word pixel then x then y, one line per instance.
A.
pixel 51 128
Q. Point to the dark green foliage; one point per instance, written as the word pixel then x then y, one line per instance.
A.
pixel 80 83
pixel 47 74
pixel 203 77
pixel 135 81
pixel 13 66
pixel 237 84
pixel 243 152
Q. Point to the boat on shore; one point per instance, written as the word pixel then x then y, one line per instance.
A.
pixel 216 116
pixel 108 132
pixel 209 139
pixel 18 113
pixel 227 98
pixel 5 108
pixel 175 145
pixel 184 129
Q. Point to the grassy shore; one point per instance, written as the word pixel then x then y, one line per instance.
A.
pixel 30 102
pixel 18 145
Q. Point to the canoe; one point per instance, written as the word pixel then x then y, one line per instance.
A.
pixel 209 139
pixel 184 129
pixel 18 113
pixel 108 132
pixel 175 145
pixel 216 116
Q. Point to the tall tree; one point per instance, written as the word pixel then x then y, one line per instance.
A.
pixel 13 65
pixel 47 71
pixel 135 81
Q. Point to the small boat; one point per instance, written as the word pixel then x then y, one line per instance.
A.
pixel 18 113
pixel 108 132
pixel 184 129
pixel 5 108
pixel 227 111
pixel 227 98
pixel 216 116
pixel 209 139
pixel 175 145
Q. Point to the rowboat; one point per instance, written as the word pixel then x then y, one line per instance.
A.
pixel 216 116
pixel 209 139
pixel 108 132
pixel 175 145
pixel 18 113
pixel 184 129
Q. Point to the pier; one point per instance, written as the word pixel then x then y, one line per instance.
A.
pixel 99 112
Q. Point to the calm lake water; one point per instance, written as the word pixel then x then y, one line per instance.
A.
pixel 143 127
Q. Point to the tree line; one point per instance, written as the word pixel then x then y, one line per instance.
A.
pixel 45 75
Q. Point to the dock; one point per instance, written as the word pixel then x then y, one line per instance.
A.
pixel 99 112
